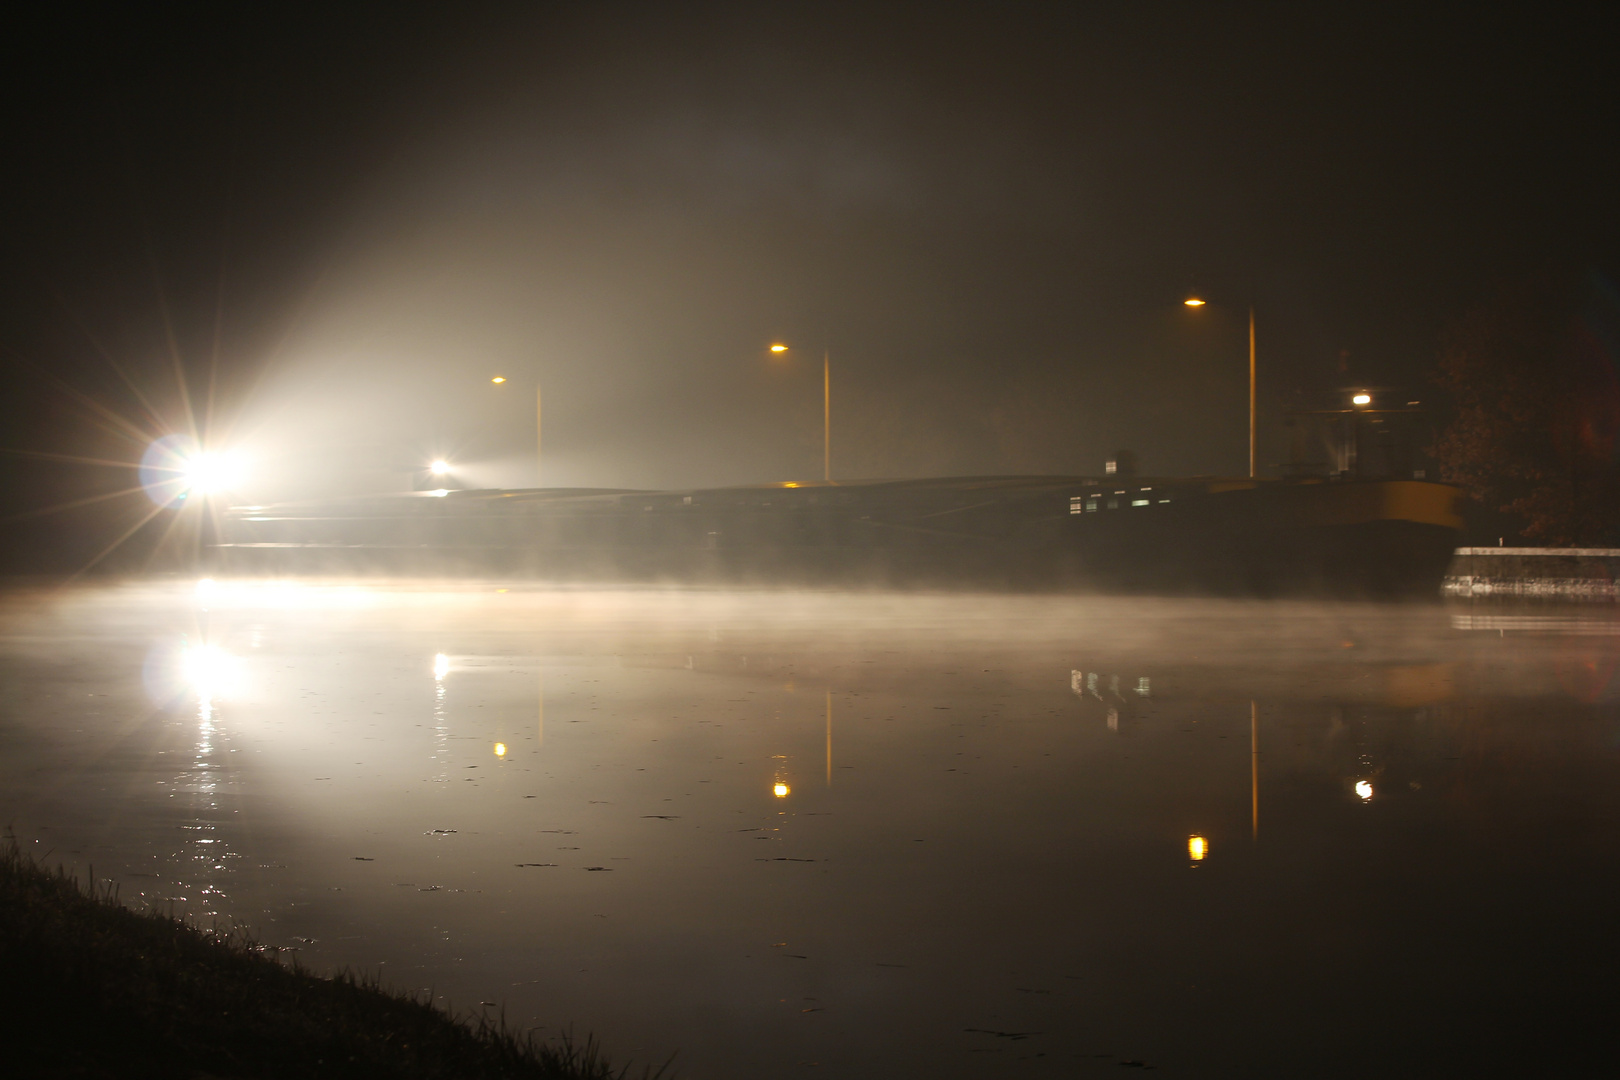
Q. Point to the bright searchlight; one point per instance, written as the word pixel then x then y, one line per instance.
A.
pixel 174 468
pixel 208 472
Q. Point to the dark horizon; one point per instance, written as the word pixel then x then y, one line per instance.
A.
pixel 990 221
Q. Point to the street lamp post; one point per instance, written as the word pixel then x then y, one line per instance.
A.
pixel 826 415
pixel 826 409
pixel 1253 426
pixel 539 442
pixel 1195 303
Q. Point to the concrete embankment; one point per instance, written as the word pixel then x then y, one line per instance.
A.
pixel 1534 573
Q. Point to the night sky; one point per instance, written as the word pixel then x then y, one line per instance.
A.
pixel 345 222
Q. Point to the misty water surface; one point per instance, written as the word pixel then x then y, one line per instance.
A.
pixel 860 835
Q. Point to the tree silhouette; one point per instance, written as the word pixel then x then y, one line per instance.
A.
pixel 1532 373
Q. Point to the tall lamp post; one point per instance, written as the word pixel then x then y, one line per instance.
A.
pixel 1195 303
pixel 539 442
pixel 826 409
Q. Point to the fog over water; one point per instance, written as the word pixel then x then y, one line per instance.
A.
pixel 868 834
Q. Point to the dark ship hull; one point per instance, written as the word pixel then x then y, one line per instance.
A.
pixel 1376 539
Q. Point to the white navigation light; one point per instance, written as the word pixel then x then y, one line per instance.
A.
pixel 1362 398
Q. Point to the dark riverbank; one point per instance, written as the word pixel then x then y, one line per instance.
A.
pixel 89 988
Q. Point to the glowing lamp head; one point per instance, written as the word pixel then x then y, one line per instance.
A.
pixel 1361 398
pixel 779 348
pixel 1364 790
pixel 1197 848
pixel 497 380
pixel 500 749
pixel 781 790
pixel 1193 302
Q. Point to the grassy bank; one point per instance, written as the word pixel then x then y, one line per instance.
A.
pixel 89 988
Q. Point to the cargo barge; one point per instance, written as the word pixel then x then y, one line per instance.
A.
pixel 1199 535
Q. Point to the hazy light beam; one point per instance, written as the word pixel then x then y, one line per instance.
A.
pixel 175 359
pixel 57 508
pixel 72 459
pixel 110 548
pixel 122 425
pixel 154 417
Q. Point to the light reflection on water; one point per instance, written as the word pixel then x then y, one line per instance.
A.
pixel 623 810
pixel 209 674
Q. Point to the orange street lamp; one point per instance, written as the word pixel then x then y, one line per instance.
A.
pixel 1195 303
